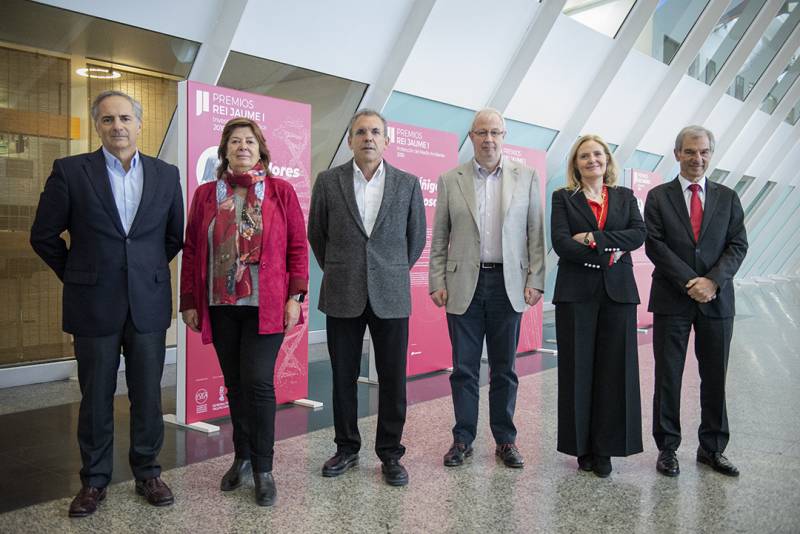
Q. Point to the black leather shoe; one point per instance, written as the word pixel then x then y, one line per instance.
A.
pixel 585 462
pixel 394 473
pixel 455 456
pixel 339 463
pixel 510 455
pixel 667 463
pixel 265 489
pixel 155 491
pixel 86 501
pixel 601 465
pixel 232 479
pixel 717 462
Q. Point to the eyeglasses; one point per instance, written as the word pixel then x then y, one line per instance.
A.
pixel 486 133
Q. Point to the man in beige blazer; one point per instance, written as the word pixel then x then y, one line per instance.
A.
pixel 486 267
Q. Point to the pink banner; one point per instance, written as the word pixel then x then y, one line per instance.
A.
pixel 530 332
pixel 426 154
pixel 641 183
pixel 287 128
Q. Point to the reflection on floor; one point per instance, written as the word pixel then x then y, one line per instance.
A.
pixel 548 495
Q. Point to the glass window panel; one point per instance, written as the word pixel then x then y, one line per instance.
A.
pixel 530 135
pixel 723 39
pixel 782 84
pixel 44 115
pixel 773 39
pixel 645 161
pixel 333 101
pixel 718 175
pixel 793 115
pixel 604 16
pixel 668 27
pixel 758 200
pixel 410 109
pixel 743 184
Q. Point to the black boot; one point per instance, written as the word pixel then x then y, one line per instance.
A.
pixel 233 478
pixel 265 489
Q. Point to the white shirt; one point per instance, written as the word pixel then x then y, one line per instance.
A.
pixel 489 198
pixel 125 186
pixel 369 194
pixel 687 193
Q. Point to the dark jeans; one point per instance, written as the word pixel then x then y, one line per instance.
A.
pixel 247 359
pixel 98 364
pixel 489 315
pixel 390 338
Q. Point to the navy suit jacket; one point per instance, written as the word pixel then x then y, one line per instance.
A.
pixel 108 274
pixel 580 268
pixel 671 246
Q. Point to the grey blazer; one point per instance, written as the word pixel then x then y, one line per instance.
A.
pixel 455 246
pixel 356 267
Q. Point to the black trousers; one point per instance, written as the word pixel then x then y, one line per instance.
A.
pixel 599 404
pixel 712 341
pixel 490 316
pixel 345 340
pixel 98 365
pixel 247 360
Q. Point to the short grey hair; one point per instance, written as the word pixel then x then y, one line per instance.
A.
pixel 366 112
pixel 487 111
pixel 137 107
pixel 693 132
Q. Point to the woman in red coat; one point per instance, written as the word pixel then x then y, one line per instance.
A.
pixel 244 274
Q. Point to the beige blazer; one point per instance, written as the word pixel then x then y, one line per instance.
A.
pixel 455 245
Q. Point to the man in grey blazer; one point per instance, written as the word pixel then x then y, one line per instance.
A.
pixel 486 267
pixel 367 229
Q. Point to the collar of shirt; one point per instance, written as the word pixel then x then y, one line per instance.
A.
pixel 686 183
pixel 357 174
pixel 114 163
pixel 480 172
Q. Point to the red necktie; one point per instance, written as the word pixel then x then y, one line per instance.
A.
pixel 696 211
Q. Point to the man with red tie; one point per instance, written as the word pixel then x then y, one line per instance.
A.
pixel 697 241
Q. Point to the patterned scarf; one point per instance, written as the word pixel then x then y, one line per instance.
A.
pixel 237 246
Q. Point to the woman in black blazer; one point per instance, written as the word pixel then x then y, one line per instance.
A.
pixel 594 227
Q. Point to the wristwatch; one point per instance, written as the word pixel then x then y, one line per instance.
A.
pixel 300 297
pixel 586 239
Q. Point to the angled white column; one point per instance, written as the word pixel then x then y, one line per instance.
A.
pixel 626 38
pixel 727 73
pixel 751 104
pixel 379 91
pixel 677 69
pixel 542 23
pixel 208 64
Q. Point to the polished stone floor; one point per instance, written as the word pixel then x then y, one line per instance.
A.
pixel 548 495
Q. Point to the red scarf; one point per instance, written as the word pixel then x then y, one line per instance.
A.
pixel 236 246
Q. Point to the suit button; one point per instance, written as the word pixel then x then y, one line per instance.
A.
pixel 128 240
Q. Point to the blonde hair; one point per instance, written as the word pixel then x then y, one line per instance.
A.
pixel 574 176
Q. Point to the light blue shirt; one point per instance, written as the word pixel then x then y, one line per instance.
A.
pixel 126 186
pixel 488 195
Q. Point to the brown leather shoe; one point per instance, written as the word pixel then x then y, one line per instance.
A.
pixel 85 502
pixel 155 491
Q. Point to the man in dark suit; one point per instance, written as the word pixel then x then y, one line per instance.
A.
pixel 696 239
pixel 367 228
pixel 124 214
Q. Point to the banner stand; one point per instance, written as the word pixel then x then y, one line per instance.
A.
pixel 206 428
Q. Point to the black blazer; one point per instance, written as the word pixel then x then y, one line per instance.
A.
pixel 105 272
pixel 678 258
pixel 580 268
